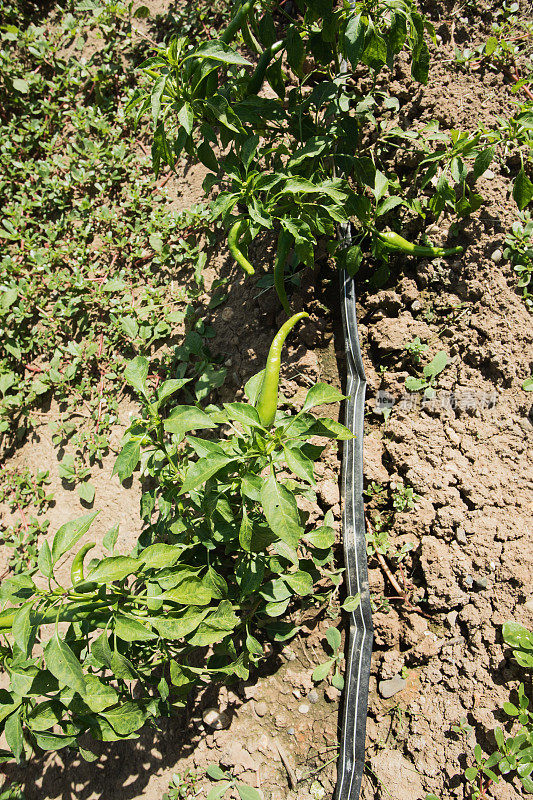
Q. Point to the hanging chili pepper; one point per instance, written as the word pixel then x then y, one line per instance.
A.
pixel 267 402
pixel 235 233
pixel 76 571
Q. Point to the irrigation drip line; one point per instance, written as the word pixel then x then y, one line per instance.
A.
pixel 357 676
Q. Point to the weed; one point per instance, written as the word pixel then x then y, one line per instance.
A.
pixel 183 786
pixel 416 350
pixel 321 672
pixel 430 373
pixel 519 251
pixel 224 782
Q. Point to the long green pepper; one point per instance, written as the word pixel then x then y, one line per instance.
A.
pixel 234 235
pixel 396 242
pixel 267 402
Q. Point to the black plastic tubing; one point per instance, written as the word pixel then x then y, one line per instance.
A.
pixel 351 762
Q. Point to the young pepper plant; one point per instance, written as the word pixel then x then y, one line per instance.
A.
pixel 224 555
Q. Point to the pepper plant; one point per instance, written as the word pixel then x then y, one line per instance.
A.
pixel 224 554
pixel 288 136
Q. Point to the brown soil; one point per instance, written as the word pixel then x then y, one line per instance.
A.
pixel 471 562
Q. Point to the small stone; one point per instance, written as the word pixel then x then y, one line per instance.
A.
pixel 297 693
pixel 313 696
pixel 291 731
pixel 216 719
pixel 332 694
pixel 391 687
pixel 460 536
pixel 469 581
pixel 489 174
pixel 481 583
pixel 452 618
pixel 529 604
pixel 416 305
pixel 497 256
pixel 304 708
pixel 289 654
pixel 227 313
pixel 261 709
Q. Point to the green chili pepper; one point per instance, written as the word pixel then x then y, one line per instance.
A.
pixel 285 242
pixel 237 21
pixel 396 242
pixel 72 612
pixel 76 571
pixel 258 75
pixel 235 233
pixel 267 402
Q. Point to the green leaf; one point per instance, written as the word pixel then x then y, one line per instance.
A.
pixel 127 460
pixel 22 627
pixel 243 413
pixel 113 568
pixel 323 537
pixel 203 469
pixel 216 773
pixel 45 715
pixel 132 630
pixel 300 582
pixel 14 736
pixel 330 429
pixel 170 387
pixel 482 162
pixel 99 695
pixel 187 418
pixel 522 190
pixel 354 40
pixel 217 792
pixel 44 560
pixel 415 384
pixel 321 672
pixel 333 637
pixel 69 534
pixel 22 86
pixel 299 464
pixel 438 363
pixel 136 373
pixel 281 511
pixel 321 394
pixel 126 718
pixel 253 386
pixel 471 774
pixel 110 539
pixel 247 792
pixel 352 603
pixel 86 491
pixel 176 627
pixel 64 665
pixel 219 51
pixel 186 118
pixel 245 531
pixel 157 556
pixel 157 92
pixel 527 386
pixel 190 591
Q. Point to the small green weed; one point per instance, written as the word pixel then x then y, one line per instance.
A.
pixel 183 786
pixel 224 782
pixel 430 373
pixel 416 350
pixel 519 251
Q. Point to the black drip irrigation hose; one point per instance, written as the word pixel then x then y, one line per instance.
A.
pixel 351 762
